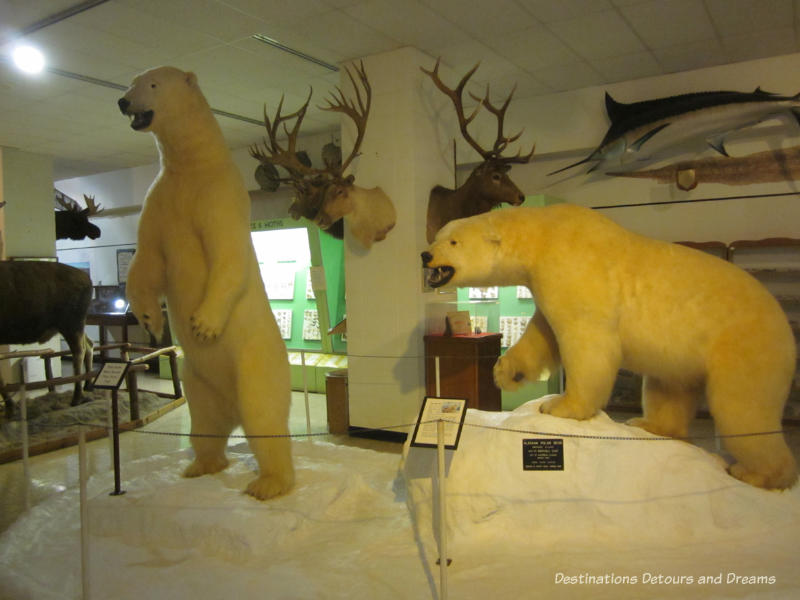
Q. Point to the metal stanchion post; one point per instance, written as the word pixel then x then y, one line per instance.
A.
pixel 118 491
pixel 26 466
pixel 84 476
pixel 442 512
pixel 305 393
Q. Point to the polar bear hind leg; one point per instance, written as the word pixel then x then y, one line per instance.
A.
pixel 209 418
pixel 267 421
pixel 745 402
pixel 667 410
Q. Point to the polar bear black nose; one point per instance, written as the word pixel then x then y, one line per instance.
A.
pixel 123 104
pixel 426 258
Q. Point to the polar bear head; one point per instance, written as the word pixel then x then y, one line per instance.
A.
pixel 466 252
pixel 159 96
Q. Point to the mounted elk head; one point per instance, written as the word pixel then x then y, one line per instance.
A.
pixel 72 220
pixel 488 185
pixel 326 196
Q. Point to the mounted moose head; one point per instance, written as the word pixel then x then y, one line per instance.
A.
pixel 489 184
pixel 326 196
pixel 72 221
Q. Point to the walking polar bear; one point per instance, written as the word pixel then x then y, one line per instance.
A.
pixel 692 324
pixel 194 249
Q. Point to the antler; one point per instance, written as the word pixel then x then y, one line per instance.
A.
pixel 456 96
pixel 357 110
pixel 276 154
pixel 91 206
pixel 502 142
pixel 66 202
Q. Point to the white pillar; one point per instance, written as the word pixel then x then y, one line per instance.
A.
pixel 406 151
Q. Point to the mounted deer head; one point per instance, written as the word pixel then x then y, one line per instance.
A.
pixel 317 189
pixel 72 220
pixel 489 184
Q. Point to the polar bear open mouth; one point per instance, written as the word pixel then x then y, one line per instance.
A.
pixel 439 276
pixel 140 120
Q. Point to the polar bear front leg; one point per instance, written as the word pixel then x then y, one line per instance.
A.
pixel 535 355
pixel 145 287
pixel 591 358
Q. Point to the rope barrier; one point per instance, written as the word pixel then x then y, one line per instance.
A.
pixel 615 438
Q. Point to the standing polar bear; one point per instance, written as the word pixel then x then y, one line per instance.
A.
pixel 606 298
pixel 194 249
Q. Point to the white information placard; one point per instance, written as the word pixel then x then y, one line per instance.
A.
pixel 451 410
pixel 111 376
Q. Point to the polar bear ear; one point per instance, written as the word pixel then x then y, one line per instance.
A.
pixel 191 79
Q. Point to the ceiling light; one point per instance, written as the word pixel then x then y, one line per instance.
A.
pixel 28 59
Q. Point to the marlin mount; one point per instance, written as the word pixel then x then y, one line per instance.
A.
pixel 654 129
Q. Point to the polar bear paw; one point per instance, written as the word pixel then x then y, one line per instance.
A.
pixel 153 321
pixel 205 327
pixel 568 408
pixel 148 311
pixel 265 487
pixel 507 374
pixel 199 468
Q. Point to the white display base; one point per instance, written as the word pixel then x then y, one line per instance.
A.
pixel 643 509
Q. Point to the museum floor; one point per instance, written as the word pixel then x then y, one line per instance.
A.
pixel 55 471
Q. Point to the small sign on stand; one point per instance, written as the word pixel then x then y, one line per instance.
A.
pixel 111 377
pixel 450 410
pixel 439 426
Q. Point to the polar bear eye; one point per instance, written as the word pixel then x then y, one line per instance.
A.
pixel 453 242
pixel 153 86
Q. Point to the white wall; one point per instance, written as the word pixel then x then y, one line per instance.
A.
pixel 567 126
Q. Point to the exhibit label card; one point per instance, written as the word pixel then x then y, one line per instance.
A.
pixel 543 455
pixel 111 376
pixel 451 410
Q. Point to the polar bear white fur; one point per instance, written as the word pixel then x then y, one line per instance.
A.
pixel 692 324
pixel 194 249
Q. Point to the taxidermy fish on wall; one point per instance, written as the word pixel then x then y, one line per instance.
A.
pixel 762 167
pixel 642 131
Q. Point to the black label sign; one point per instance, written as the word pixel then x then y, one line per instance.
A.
pixel 543 455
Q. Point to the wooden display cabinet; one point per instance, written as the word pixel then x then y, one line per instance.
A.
pixel 466 363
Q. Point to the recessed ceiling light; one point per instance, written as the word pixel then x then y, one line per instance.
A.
pixel 28 59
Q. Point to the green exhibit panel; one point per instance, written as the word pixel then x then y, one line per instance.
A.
pixel 303 273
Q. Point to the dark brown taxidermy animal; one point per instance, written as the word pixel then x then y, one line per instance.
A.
pixel 489 184
pixel 39 299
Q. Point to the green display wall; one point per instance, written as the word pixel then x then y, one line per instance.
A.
pixel 292 259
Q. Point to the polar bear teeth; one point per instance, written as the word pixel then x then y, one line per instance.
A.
pixel 440 276
pixel 140 120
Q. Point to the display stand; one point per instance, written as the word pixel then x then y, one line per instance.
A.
pixel 461 366
pixel 111 377
pixel 449 412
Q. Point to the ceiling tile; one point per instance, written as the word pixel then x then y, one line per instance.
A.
pixel 599 35
pixel 410 21
pixel 734 17
pixel 568 77
pixel 507 17
pixel 631 66
pixel 664 23
pixel 549 11
pixel 760 44
pixel 535 48
pixel 687 57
